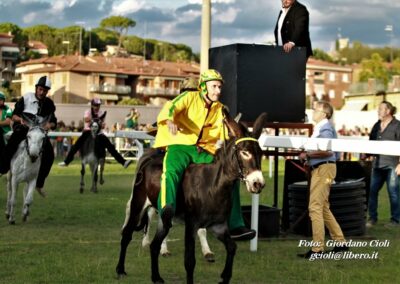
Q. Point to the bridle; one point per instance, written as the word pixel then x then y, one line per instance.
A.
pixel 27 141
pixel 242 172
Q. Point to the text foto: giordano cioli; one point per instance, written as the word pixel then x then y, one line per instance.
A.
pixel 349 243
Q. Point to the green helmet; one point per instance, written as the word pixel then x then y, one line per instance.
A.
pixel 2 96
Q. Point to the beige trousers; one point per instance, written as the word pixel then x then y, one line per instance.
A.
pixel 318 207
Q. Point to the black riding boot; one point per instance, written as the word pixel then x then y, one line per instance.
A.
pixel 19 134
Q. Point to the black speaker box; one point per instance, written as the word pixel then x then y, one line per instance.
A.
pixel 261 78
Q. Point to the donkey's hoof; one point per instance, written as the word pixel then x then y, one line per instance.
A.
pixel 81 190
pixel 94 190
pixel 121 275
pixel 166 254
pixel 101 181
pixel 158 281
pixel 25 217
pixel 7 216
pixel 209 257
pixel 11 222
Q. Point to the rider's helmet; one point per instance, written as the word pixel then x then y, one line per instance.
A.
pixel 95 102
pixel 2 96
pixel 189 83
pixel 44 82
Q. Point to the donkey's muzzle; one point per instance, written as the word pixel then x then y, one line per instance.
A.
pixel 255 182
pixel 34 158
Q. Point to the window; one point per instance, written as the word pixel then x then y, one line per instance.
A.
pixel 331 94
pixel 345 78
pixel 332 76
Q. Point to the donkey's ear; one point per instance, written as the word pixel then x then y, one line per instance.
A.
pixel 259 125
pixel 233 127
pixel 29 118
pixel 43 120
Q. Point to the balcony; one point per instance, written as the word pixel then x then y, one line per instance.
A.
pixel 110 89
pixel 150 91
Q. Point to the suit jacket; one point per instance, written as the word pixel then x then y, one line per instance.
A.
pixel 295 27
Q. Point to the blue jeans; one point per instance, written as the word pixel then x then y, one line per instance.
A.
pixel 378 178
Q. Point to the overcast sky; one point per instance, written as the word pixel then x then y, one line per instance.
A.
pixel 233 21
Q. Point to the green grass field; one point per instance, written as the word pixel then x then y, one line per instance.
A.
pixel 74 238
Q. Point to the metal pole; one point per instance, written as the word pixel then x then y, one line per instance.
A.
pixel 255 201
pixel 205 34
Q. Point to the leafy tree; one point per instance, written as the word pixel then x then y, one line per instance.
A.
pixel 321 55
pixel 374 68
pixel 102 37
pixel 16 31
pixel 43 33
pixel 134 44
pixel 32 55
pixel 120 25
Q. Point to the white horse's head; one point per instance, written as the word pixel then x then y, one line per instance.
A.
pixel 36 135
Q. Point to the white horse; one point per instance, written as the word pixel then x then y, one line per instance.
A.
pixel 202 233
pixel 25 166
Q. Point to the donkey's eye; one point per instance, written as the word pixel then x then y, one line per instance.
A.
pixel 246 155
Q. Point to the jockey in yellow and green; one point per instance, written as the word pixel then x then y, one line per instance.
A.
pixel 190 127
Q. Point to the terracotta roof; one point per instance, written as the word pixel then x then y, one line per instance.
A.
pixel 35 44
pixel 6 35
pixel 316 63
pixel 130 66
pixel 8 44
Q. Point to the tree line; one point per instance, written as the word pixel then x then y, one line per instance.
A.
pixel 112 31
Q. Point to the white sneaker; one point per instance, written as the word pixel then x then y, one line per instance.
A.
pixel 370 223
pixel 62 164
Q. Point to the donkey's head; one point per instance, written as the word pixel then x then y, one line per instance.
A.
pixel 36 135
pixel 96 124
pixel 247 152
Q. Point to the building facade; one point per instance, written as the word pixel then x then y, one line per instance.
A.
pixel 78 79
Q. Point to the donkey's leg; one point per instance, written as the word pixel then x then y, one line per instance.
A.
pixel 134 209
pixel 190 259
pixel 205 248
pixel 146 237
pixel 14 187
pixel 164 224
pixel 82 185
pixel 94 167
pixel 101 163
pixel 29 189
pixel 9 195
pixel 222 233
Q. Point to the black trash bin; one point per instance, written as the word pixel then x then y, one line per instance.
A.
pixel 268 220
pixel 348 204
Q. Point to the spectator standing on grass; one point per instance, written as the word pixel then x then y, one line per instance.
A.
pixel 385 169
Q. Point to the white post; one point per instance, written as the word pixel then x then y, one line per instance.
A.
pixel 255 201
pixel 205 34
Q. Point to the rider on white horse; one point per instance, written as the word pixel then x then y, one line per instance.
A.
pixel 36 103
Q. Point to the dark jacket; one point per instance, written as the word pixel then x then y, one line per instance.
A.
pixel 295 27
pixel 45 107
pixel 391 133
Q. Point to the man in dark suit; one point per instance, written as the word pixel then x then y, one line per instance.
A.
pixel 292 27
